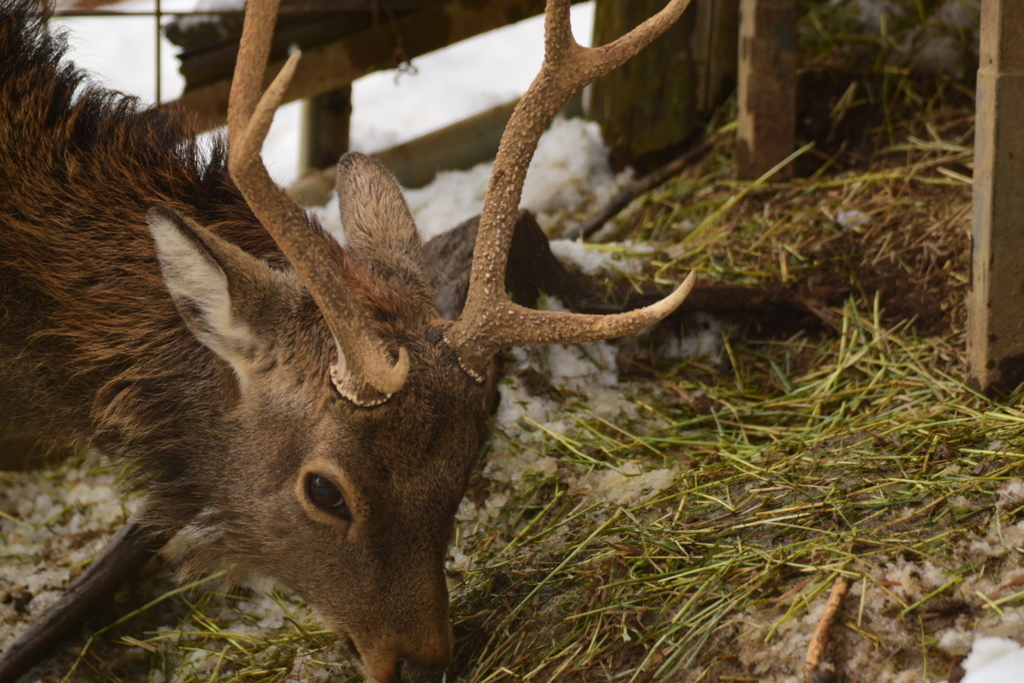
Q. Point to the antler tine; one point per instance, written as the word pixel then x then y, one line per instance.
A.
pixel 557 29
pixel 363 372
pixel 253 52
pixel 489 320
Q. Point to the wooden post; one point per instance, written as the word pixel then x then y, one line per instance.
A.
pixel 995 308
pixel 325 124
pixel 767 86
pixel 657 99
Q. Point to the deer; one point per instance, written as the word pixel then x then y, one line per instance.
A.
pixel 296 405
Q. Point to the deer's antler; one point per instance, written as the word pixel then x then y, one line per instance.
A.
pixel 489 321
pixel 364 372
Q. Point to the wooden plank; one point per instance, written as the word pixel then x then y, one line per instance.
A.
pixel 995 309
pixel 658 99
pixel 209 50
pixel 338 63
pixel 209 47
pixel 459 146
pixel 766 132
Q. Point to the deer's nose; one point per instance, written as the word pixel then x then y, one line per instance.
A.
pixel 424 666
pixel 417 672
pixel 424 672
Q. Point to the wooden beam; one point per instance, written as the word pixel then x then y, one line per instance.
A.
pixel 995 309
pixel 766 132
pixel 337 64
pixel 460 146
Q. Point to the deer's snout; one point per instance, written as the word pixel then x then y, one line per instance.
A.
pixel 422 673
pixel 420 669
pixel 422 658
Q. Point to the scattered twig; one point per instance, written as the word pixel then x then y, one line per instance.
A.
pixel 645 184
pixel 823 632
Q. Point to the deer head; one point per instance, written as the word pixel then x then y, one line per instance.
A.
pixel 347 448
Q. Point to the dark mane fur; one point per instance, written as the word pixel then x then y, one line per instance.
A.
pixel 90 341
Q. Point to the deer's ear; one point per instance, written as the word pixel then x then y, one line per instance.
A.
pixel 379 229
pixel 213 284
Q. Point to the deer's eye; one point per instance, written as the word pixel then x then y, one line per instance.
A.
pixel 326 496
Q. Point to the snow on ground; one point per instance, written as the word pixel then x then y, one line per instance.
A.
pixel 51 526
pixel 994 660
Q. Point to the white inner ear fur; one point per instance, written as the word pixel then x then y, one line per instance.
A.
pixel 194 279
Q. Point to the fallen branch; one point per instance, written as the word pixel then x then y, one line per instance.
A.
pixel 645 184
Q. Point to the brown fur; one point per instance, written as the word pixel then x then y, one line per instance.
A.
pixel 93 348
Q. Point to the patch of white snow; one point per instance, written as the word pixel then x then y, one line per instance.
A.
pixel 629 486
pixel 994 660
